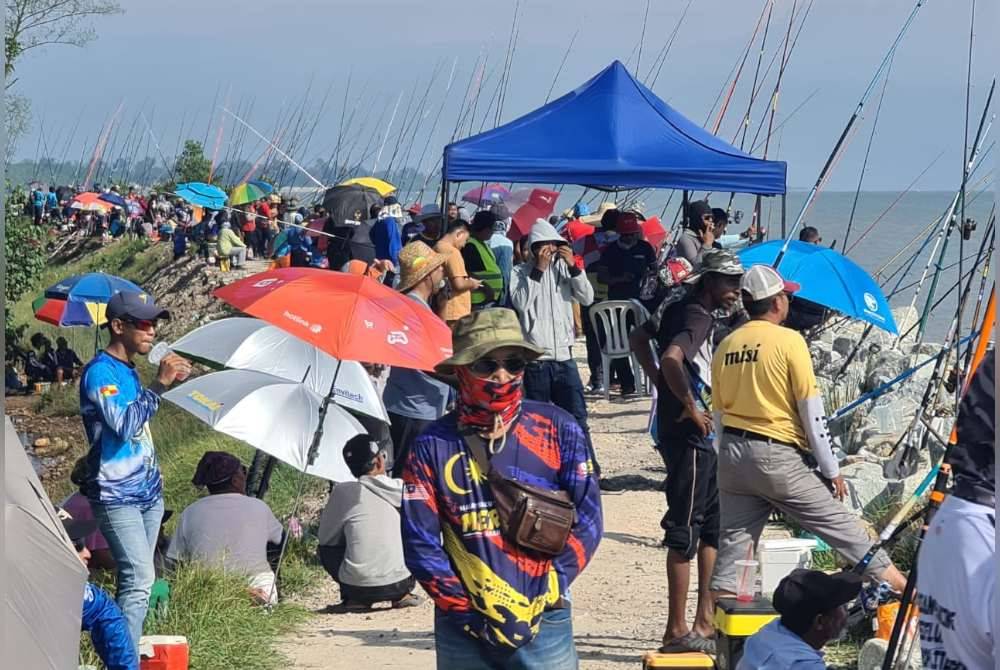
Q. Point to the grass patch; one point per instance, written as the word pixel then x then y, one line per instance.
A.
pixel 223 628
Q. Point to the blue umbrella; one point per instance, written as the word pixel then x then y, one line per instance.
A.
pixel 202 195
pixel 828 278
pixel 93 287
pixel 113 198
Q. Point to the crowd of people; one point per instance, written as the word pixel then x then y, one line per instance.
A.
pixel 484 487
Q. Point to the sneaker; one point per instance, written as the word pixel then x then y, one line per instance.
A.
pixel 595 389
pixel 628 394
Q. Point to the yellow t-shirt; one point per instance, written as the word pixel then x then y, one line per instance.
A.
pixel 459 304
pixel 760 372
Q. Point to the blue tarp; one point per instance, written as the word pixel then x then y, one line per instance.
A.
pixel 612 132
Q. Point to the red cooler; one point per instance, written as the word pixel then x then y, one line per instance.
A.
pixel 163 652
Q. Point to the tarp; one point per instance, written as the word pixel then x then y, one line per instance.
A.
pixel 45 578
pixel 612 132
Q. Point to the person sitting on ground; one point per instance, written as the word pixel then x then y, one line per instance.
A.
pixel 101 617
pixel 228 528
pixel 231 247
pixel 359 541
pixel 40 366
pixel 79 508
pixel 698 235
pixel 459 301
pixel 812 605
pixel 68 364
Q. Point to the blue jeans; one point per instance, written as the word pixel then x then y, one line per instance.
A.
pixel 131 533
pixel 551 649
pixel 557 382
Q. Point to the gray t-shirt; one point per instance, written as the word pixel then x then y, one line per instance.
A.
pixel 414 394
pixel 229 530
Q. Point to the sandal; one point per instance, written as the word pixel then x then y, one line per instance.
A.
pixel 348 607
pixel 409 600
pixel 687 643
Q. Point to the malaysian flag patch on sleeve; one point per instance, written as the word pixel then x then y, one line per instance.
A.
pixel 415 492
pixel 109 390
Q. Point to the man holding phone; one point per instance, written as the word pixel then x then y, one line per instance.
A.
pixel 123 482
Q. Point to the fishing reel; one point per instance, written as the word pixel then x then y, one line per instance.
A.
pixel 968 227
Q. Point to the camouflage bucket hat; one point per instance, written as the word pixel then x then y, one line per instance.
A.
pixel 720 262
pixel 484 331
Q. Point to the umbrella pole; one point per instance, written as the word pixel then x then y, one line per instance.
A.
pixel 310 457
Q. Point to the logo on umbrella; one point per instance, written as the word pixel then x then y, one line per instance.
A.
pixel 397 337
pixel 264 283
pixel 870 302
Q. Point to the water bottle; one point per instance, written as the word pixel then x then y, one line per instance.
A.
pixel 158 353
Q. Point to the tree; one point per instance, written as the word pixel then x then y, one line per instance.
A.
pixel 192 165
pixel 30 24
pixel 24 252
pixel 17 110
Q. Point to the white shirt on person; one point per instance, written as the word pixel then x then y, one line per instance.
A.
pixel 227 530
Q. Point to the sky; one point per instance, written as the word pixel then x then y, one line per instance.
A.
pixel 168 61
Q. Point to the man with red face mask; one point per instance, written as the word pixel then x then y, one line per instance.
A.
pixel 501 594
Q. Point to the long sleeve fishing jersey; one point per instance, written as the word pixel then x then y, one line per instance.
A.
pixel 116 410
pixel 452 539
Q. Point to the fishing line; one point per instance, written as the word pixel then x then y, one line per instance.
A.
pixel 642 38
pixel 662 57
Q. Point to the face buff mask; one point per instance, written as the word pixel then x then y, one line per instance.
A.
pixel 483 404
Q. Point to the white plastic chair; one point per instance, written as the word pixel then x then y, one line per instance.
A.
pixel 612 317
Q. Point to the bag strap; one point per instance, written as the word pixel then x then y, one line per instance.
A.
pixel 478 455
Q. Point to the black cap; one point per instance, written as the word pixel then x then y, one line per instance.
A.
pixel 135 306
pixel 359 452
pixel 696 210
pixel 803 594
pixel 482 220
pixel 77 529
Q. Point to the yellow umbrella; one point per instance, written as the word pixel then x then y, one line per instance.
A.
pixel 384 188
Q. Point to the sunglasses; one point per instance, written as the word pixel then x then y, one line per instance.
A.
pixel 145 325
pixel 487 366
pixel 79 545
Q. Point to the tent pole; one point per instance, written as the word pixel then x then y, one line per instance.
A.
pixel 783 216
pixel 684 208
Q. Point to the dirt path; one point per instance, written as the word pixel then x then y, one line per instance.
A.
pixel 619 601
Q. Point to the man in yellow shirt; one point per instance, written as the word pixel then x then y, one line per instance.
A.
pixel 771 435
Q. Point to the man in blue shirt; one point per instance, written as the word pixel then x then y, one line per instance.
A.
pixel 123 480
pixel 813 608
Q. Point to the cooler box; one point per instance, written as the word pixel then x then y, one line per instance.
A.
pixel 780 557
pixel 735 621
pixel 163 652
pixel 691 659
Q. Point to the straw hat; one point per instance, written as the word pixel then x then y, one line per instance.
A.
pixel 484 331
pixel 596 216
pixel 416 261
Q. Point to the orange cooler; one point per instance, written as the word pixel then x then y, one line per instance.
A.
pixel 163 652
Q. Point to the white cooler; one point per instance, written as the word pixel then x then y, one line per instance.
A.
pixel 779 557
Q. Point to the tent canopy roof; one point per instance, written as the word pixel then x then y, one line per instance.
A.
pixel 611 132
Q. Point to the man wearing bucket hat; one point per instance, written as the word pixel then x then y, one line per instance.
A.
pixel 502 597
pixel 685 332
pixel 771 435
pixel 812 605
pixel 413 398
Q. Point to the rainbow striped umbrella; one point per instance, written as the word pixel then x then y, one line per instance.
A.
pixel 68 313
pixel 249 191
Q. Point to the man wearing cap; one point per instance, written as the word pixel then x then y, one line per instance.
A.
pixel 428 225
pixel 622 266
pixel 123 477
pixel 813 609
pixel 685 332
pixel 101 617
pixel 542 292
pixel 413 398
pixel 482 264
pixel 957 563
pixel 500 244
pixel 499 604
pixel 771 434
pixel 227 528
pixel 698 235
pixel 359 541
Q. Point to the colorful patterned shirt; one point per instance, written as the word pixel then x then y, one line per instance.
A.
pixel 116 410
pixel 452 541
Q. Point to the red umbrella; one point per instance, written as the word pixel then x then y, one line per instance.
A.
pixel 540 204
pixel 350 317
pixel 653 231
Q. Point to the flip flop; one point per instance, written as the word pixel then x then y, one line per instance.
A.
pixel 690 642
pixel 409 600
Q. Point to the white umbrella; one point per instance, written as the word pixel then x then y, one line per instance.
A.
pixel 274 415
pixel 45 578
pixel 251 344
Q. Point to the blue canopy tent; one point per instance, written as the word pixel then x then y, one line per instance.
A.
pixel 610 133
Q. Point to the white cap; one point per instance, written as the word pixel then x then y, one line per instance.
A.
pixel 763 281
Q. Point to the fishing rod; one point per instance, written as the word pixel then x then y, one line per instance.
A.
pixel 218 133
pixel 642 37
pixel 765 11
pixel 411 123
pixel 665 51
pixel 949 226
pixel 430 134
pixel 744 124
pixel 515 30
pixel 159 151
pixel 840 145
pixel 785 120
pixel 562 63
pixel 275 147
pixel 937 494
pixel 101 143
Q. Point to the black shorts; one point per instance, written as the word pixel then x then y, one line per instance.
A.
pixel 692 494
